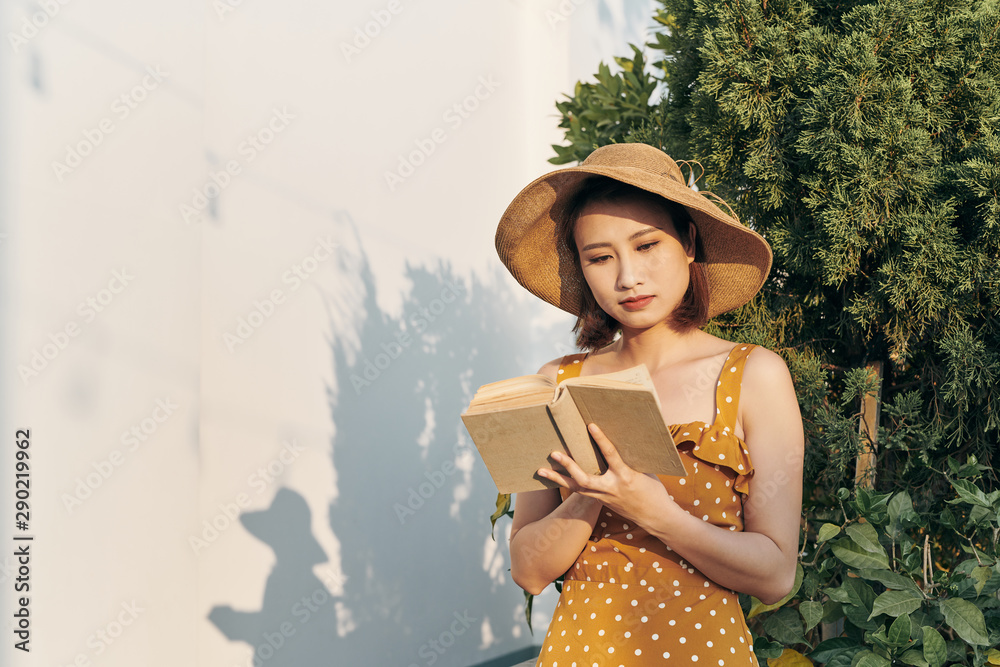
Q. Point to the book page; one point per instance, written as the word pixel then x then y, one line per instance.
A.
pixel 637 375
pixel 512 393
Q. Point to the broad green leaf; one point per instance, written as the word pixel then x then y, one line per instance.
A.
pixel 839 594
pixel 970 493
pixel 869 659
pixel 891 580
pixel 981 516
pixel 900 507
pixel 503 506
pixel 829 648
pixel 981 575
pixel 789 658
pixel 758 607
pixel 896 603
pixel 935 650
pixel 899 631
pixel 865 536
pixel 812 613
pixel 913 657
pixel 859 593
pixel 859 609
pixel 879 638
pixel 832 611
pixel 826 532
pixel 528 599
pixel 785 626
pixel 855 556
pixel 844 659
pixel 765 648
pixel 901 515
pixel 966 619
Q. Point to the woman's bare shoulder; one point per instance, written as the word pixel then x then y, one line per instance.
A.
pixel 551 369
pixel 764 369
pixel 768 393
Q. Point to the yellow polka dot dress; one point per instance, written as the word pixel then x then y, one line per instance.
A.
pixel 629 599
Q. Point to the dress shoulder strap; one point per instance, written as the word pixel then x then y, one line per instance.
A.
pixel 727 395
pixel 570 365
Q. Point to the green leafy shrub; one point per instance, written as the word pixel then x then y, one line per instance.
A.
pixel 891 592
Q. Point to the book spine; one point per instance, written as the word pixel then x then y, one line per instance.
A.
pixel 573 431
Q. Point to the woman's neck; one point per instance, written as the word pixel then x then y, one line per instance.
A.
pixel 656 347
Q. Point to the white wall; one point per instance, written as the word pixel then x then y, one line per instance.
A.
pixel 250 436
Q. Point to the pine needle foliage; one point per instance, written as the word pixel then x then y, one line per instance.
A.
pixel 862 139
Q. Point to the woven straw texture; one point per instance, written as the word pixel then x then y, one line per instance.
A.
pixel 737 259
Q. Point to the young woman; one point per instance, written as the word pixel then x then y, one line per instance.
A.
pixel 652 564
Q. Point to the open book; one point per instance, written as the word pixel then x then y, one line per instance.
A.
pixel 517 423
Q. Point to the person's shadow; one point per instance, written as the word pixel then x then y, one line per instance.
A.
pixel 292 626
pixel 424 583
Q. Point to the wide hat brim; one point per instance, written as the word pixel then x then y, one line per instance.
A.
pixel 736 258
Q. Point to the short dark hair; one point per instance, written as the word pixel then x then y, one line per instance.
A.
pixel 594 328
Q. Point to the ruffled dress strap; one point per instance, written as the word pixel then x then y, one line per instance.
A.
pixel 727 395
pixel 717 443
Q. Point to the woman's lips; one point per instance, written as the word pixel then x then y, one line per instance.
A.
pixel 637 303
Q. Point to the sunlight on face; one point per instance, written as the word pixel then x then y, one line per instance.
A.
pixel 633 260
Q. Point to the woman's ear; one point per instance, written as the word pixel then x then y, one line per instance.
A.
pixel 692 240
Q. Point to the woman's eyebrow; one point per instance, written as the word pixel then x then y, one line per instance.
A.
pixel 606 244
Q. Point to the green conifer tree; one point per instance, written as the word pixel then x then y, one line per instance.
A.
pixel 862 139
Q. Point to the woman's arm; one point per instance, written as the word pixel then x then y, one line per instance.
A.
pixel 760 560
pixel 547 534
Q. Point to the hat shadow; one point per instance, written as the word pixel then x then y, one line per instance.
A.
pixel 291 627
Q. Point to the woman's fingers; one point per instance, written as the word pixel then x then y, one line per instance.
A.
pixel 561 480
pixel 574 470
pixel 607 448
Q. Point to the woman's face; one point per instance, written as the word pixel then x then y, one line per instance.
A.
pixel 633 260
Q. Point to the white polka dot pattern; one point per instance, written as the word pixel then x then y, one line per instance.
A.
pixel 653 608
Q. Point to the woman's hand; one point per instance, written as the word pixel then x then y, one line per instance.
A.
pixel 637 496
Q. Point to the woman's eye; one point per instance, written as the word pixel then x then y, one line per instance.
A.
pixel 647 246
pixel 599 260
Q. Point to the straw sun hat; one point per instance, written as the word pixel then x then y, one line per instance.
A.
pixel 737 259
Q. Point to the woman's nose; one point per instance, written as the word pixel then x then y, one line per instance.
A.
pixel 627 274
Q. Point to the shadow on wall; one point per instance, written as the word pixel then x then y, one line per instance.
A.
pixel 425 585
